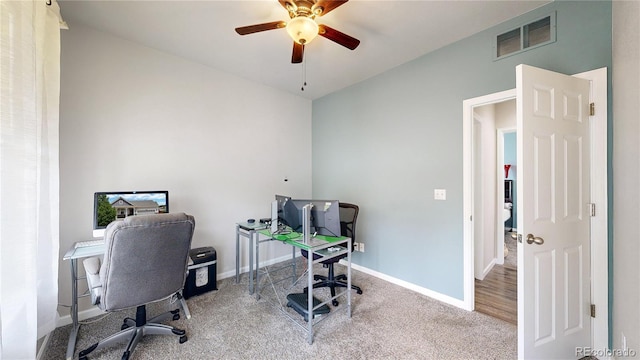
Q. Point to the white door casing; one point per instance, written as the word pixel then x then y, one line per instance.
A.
pixel 599 222
pixel 553 208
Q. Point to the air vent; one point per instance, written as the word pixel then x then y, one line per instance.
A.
pixel 526 37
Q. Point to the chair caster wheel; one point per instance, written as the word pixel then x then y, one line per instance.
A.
pixel 335 302
pixel 359 292
pixel 176 314
pixel 125 356
pixel 183 339
pixel 124 326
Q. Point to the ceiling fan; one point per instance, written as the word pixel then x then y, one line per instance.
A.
pixel 302 27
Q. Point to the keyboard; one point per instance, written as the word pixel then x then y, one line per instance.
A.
pixel 88 243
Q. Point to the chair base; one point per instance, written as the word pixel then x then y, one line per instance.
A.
pixel 333 282
pixel 134 330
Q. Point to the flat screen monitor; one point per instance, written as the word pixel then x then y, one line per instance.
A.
pixel 118 205
pixel 325 216
pixel 282 200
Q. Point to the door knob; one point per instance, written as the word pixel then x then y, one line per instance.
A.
pixel 534 239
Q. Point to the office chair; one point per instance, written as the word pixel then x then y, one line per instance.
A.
pixel 348 218
pixel 145 261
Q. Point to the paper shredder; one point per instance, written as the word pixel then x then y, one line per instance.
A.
pixel 201 276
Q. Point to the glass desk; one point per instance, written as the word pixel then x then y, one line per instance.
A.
pixel 324 248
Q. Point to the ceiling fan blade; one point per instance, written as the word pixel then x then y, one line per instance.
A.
pixel 328 5
pixel 338 37
pixel 245 30
pixel 298 52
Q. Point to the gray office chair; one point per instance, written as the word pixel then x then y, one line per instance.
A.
pixel 145 261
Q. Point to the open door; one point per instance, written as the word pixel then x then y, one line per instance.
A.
pixel 553 214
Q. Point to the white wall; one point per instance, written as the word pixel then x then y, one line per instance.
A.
pixel 133 118
pixel 485 207
pixel 488 243
pixel 398 136
pixel 626 174
pixel 506 116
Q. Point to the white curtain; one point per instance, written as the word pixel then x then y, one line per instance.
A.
pixel 29 175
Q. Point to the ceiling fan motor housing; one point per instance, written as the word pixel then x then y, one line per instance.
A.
pixel 302 27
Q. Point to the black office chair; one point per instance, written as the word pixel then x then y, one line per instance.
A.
pixel 348 217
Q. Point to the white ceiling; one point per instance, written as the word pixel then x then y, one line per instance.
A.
pixel 391 33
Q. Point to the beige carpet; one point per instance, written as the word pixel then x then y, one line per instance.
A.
pixel 388 322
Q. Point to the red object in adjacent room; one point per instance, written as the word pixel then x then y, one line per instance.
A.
pixel 506 171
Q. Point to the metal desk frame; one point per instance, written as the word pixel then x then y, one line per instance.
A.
pixel 250 232
pixel 320 249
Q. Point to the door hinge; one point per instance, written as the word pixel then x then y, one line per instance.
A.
pixel 593 310
pixel 592 109
pixel 592 209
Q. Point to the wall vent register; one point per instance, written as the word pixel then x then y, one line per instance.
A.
pixel 534 34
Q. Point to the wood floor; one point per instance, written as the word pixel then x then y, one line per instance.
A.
pixel 497 294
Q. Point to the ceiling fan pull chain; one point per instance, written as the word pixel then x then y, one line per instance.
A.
pixel 304 74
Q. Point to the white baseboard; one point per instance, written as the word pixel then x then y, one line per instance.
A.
pixel 95 311
pixel 82 315
pixel 244 269
pixel 487 270
pixel 43 346
pixel 407 285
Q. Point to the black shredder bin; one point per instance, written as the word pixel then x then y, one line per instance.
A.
pixel 201 276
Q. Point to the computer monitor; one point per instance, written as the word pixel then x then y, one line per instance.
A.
pixel 117 205
pixel 325 216
pixel 281 199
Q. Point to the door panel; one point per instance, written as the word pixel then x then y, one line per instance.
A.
pixel 553 178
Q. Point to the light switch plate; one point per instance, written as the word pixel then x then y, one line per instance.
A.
pixel 440 194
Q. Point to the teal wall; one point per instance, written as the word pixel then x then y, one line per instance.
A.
pixel 387 142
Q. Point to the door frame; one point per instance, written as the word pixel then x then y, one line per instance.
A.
pixel 599 196
pixel 501 132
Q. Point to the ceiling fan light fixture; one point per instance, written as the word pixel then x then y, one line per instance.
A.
pixel 302 29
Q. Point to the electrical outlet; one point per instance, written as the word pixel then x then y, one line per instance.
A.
pixel 440 194
pixel 356 247
pixel 361 247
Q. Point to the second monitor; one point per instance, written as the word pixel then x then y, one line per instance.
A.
pixel 325 216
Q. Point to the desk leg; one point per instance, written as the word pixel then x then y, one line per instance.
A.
pixel 349 291
pixel 251 288
pixel 74 310
pixel 310 297
pixel 293 258
pixel 237 254
pixel 183 303
pixel 256 241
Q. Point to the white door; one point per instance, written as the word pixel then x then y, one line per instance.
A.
pixel 553 214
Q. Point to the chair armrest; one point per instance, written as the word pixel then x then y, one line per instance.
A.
pixel 92 269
